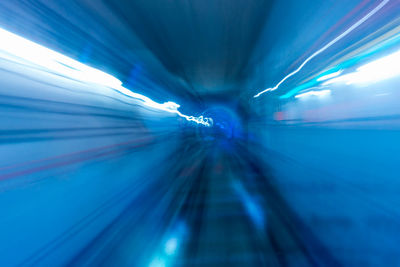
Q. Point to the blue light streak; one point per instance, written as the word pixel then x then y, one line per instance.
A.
pixel 253 209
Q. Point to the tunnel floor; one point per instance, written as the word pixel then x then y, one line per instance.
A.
pixel 219 209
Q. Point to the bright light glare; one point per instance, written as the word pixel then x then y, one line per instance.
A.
pixel 383 68
pixel 375 71
pixel 24 49
pixel 320 93
pixel 16 48
pixel 338 38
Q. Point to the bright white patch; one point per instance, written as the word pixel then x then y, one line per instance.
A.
pixel 381 69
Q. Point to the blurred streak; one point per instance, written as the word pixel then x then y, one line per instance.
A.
pixel 329 76
pixel 336 74
pixel 18 49
pixel 330 135
pixel 94 174
pixel 378 70
pixel 252 208
pixel 338 38
pixel 314 93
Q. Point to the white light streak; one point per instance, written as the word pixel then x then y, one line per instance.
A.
pixel 23 49
pixel 338 38
pixel 19 49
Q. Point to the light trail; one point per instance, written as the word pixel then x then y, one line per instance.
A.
pixel 18 49
pixel 338 38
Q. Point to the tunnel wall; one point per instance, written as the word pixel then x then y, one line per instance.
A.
pixel 335 160
pixel 73 155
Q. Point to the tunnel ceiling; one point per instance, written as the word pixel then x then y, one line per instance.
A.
pixel 190 50
pixel 206 43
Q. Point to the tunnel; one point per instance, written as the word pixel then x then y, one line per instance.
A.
pixel 167 133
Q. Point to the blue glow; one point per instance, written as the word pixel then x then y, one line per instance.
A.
pixel 252 208
pixel 158 263
pixel 21 50
pixel 98 167
pixel 171 245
